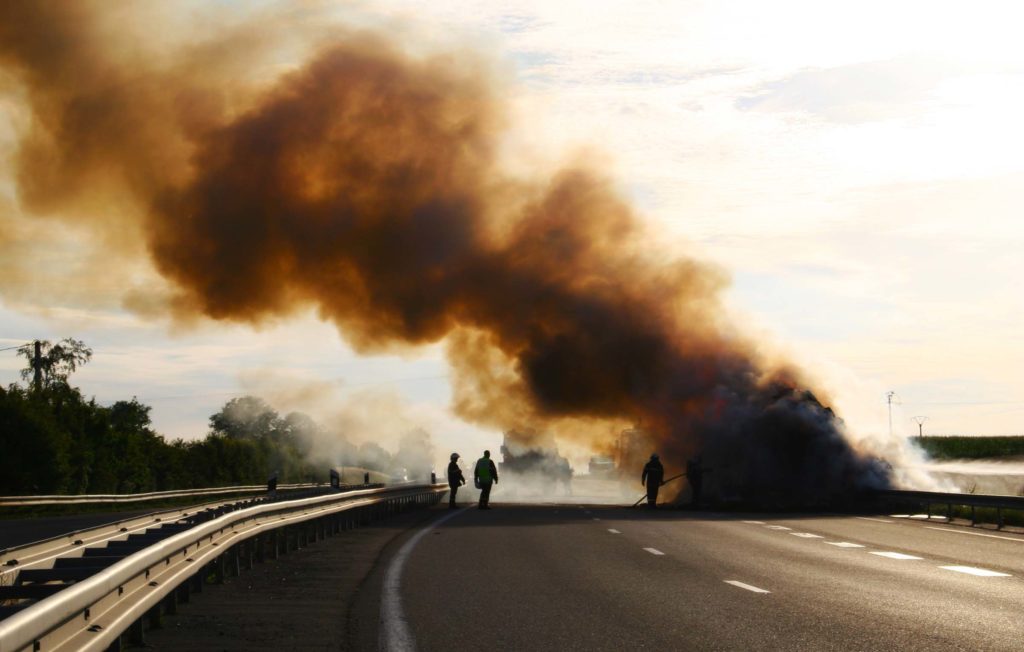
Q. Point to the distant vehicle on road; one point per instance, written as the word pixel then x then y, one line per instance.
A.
pixel 601 466
pixel 532 466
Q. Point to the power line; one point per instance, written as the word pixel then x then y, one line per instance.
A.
pixel 11 348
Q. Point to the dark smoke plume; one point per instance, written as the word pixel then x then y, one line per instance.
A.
pixel 365 183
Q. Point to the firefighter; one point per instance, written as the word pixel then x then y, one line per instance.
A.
pixel 485 475
pixel 695 474
pixel 455 479
pixel 652 476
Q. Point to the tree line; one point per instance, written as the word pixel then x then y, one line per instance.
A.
pixel 54 440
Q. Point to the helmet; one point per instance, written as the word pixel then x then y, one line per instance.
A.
pixel 654 456
pixel 455 456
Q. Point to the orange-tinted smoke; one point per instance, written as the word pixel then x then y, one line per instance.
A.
pixel 365 183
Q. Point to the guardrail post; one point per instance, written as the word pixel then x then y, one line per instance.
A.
pixel 261 544
pixel 184 594
pixel 198 580
pixel 929 512
pixel 248 553
pixel 973 520
pixel 171 603
pixel 234 561
pixel 219 569
pixel 137 633
pixel 999 518
pixel 153 617
pixel 949 513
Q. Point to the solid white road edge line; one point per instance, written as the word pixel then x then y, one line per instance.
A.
pixel 614 531
pixel 876 520
pixel 975 534
pixel 741 585
pixel 394 635
pixel 654 551
pixel 806 535
pixel 970 570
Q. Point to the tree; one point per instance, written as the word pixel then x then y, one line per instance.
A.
pixel 56 361
pixel 35 446
pixel 246 418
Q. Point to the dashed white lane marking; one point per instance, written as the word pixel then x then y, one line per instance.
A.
pixel 746 586
pixel 894 555
pixel 970 570
pixel 973 534
pixel 778 527
pixel 876 520
pixel 586 511
pixel 596 518
pixel 614 531
pixel 844 544
pixel 754 522
pixel 395 635
pixel 806 535
pixel 654 551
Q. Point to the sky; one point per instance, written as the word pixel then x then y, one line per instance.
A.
pixel 855 170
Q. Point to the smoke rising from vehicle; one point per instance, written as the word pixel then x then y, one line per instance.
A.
pixel 366 182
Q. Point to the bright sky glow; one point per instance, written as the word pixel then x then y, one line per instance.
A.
pixel 857 168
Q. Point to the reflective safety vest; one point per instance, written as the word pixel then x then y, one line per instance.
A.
pixel 483 469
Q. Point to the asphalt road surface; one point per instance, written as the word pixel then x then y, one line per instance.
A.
pixel 610 578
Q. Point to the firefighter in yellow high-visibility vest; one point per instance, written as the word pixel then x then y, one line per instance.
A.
pixel 484 475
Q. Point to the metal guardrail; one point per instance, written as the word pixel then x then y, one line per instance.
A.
pixel 930 498
pixel 94 613
pixel 16 558
pixel 18 501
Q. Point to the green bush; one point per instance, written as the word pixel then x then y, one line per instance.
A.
pixel 970 448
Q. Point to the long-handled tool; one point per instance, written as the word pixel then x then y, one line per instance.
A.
pixel 663 483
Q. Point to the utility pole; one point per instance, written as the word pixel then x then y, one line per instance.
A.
pixel 37 366
pixel 889 396
pixel 920 425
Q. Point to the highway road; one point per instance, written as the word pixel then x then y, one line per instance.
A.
pixel 611 578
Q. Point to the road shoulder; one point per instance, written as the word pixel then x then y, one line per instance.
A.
pixel 303 600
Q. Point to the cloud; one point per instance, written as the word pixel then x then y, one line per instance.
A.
pixel 855 93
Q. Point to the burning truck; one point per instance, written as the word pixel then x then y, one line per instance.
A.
pixel 532 466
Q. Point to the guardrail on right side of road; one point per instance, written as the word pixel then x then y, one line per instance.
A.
pixel 974 501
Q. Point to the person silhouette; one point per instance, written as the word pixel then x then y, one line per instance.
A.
pixel 484 475
pixel 652 476
pixel 695 474
pixel 455 479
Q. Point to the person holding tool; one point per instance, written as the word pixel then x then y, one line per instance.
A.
pixel 652 476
